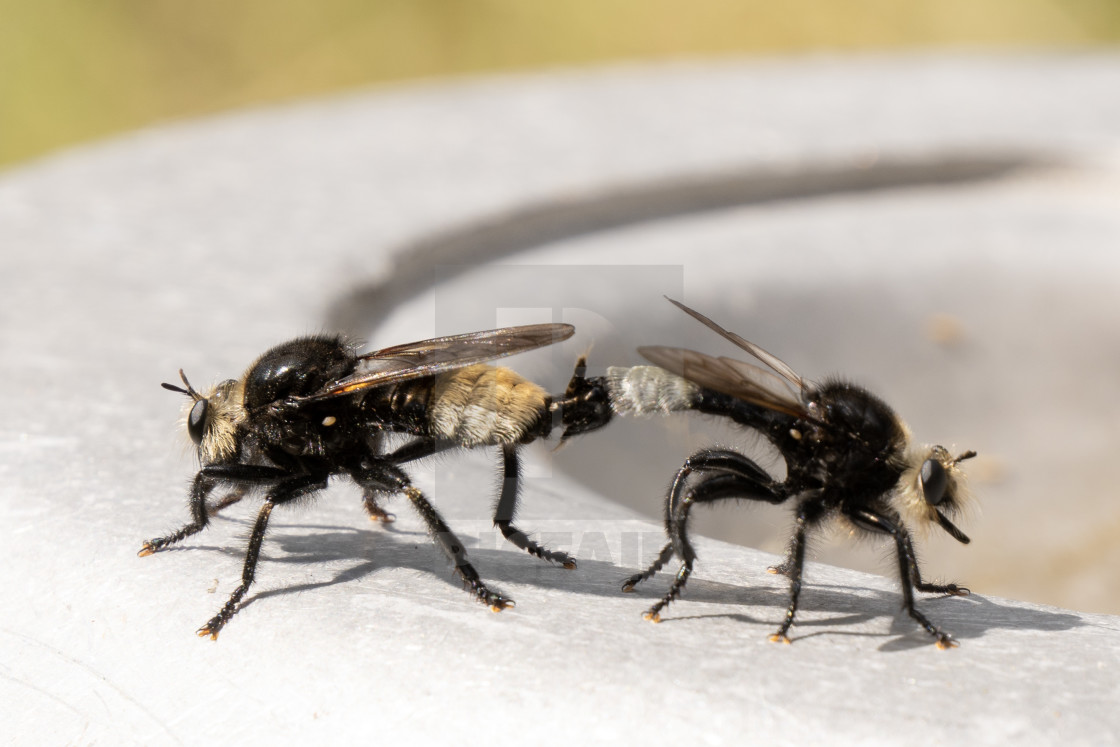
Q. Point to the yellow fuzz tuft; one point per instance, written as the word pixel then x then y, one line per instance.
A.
pixel 225 414
pixel 485 405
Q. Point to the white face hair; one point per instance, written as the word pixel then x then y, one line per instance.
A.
pixel 212 418
pixel 932 489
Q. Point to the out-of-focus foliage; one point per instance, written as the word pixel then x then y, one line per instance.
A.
pixel 72 70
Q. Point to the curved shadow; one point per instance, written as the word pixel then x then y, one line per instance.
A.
pixel 533 225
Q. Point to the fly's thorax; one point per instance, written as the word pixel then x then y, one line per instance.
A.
pixel 848 408
pixel 295 368
pixel 483 405
pixel 215 419
pixel 649 390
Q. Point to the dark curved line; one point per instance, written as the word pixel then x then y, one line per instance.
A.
pixel 504 234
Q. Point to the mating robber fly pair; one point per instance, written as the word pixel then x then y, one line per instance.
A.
pixel 311 409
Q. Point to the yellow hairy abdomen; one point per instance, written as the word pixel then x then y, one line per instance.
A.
pixel 482 404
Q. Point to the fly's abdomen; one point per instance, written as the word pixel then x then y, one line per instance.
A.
pixel 649 390
pixel 402 407
pixel 482 405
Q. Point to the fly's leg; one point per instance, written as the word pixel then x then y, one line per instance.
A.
pixel 792 567
pixel 288 490
pixel 735 476
pixel 248 571
pixel 952 589
pixel 456 553
pixel 908 571
pixel 388 478
pixel 243 476
pixel 756 484
pixel 663 557
pixel 507 507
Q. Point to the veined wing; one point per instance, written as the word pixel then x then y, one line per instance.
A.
pixel 777 364
pixel 429 357
pixel 745 381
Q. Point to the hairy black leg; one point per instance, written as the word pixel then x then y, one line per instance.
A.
pixel 672 500
pixel 244 476
pixel 717 487
pixel 282 493
pixel 663 557
pixel 214 626
pixel 507 507
pixel 722 461
pixel 907 569
pixel 953 589
pixel 386 477
pixel 794 564
pixel 200 517
pixel 752 482
pixel 456 553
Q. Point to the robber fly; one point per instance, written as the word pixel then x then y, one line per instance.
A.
pixel 848 457
pixel 311 409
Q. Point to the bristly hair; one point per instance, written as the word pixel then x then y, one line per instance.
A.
pixel 911 499
pixel 225 412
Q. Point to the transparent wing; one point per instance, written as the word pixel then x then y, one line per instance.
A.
pixel 777 364
pixel 428 357
pixel 745 381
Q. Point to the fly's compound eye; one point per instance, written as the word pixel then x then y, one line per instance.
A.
pixel 196 421
pixel 934 480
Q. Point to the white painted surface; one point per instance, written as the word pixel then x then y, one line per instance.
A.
pixel 199 245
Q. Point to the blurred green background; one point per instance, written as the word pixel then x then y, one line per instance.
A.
pixel 74 70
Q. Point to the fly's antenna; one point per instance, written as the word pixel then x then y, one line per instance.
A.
pixel 967 455
pixel 189 391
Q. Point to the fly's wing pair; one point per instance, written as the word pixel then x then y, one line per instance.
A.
pixel 780 389
pixel 415 360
